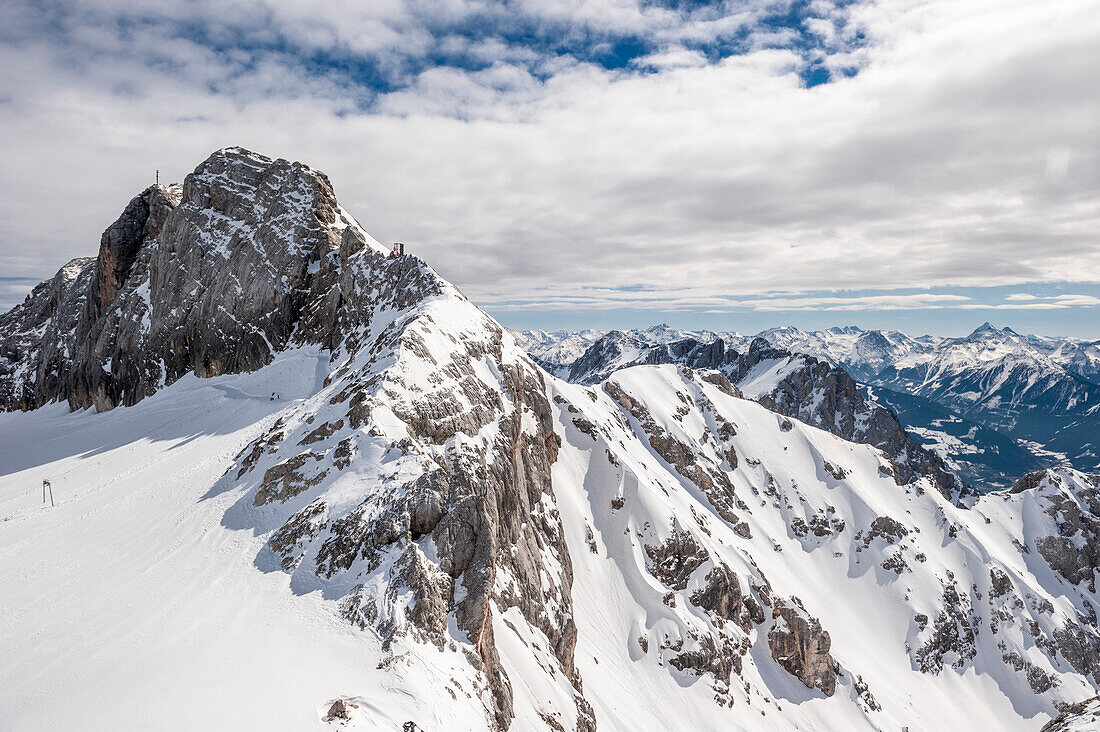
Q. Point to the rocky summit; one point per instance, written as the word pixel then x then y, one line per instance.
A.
pixel 317 472
pixel 211 277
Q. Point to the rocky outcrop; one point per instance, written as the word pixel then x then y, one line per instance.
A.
pixel 1080 717
pixel 723 598
pixel 209 277
pixel 953 634
pixel 37 336
pixel 1074 552
pixel 141 221
pixel 674 561
pixel 340 710
pixel 801 646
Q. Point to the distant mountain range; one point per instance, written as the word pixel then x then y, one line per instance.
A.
pixel 994 404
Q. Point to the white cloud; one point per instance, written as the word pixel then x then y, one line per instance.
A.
pixel 922 301
pixel 1078 300
pixel 708 184
pixel 669 299
pixel 1024 301
pixel 676 57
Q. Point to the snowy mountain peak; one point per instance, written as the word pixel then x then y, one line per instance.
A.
pixel 987 331
pixel 211 276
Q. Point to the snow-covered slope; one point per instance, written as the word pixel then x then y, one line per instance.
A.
pixel 932 596
pixel 792 384
pixel 139 603
pixel 155 581
pixel 428 528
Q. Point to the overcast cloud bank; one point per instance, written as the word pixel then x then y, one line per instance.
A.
pixel 554 156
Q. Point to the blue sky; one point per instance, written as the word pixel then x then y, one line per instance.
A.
pixel 919 164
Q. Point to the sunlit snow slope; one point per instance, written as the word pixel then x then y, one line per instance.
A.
pixel 132 605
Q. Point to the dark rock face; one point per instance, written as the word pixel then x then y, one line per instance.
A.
pixel 210 278
pixel 59 363
pixel 674 561
pixel 142 220
pixel 35 335
pixel 954 634
pixel 1026 482
pixel 800 646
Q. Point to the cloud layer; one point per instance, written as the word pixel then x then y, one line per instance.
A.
pixel 580 154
